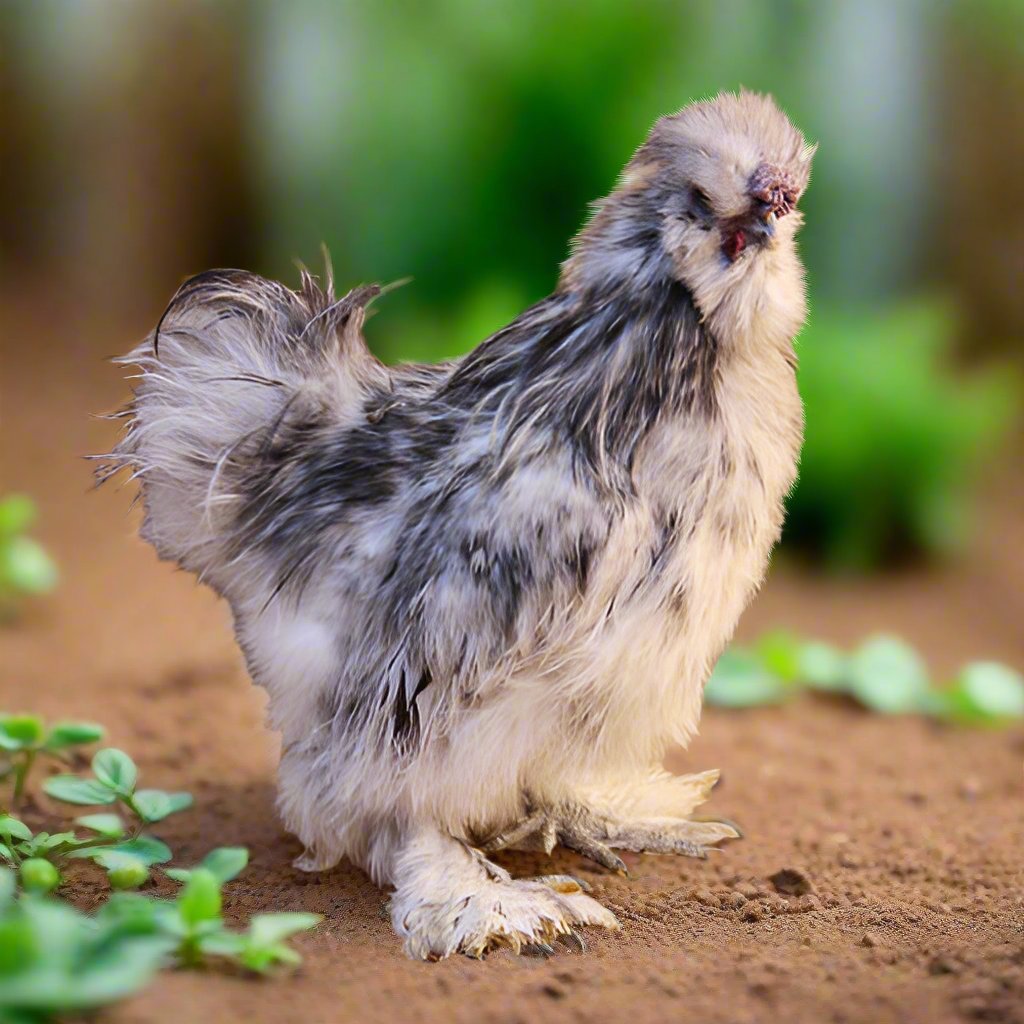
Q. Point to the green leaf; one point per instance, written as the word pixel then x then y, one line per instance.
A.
pixel 17 514
pixel 7 888
pixel 58 928
pixel 154 804
pixel 25 566
pixel 200 900
pixel 223 943
pixel 740 681
pixel 109 825
pixel 72 734
pixel 7 853
pixel 70 963
pixel 18 947
pixel 29 849
pixel 105 856
pixel 130 913
pixel 43 842
pixel 822 667
pixel 268 929
pixel 779 652
pixel 116 770
pixel 13 828
pixel 887 675
pixel 146 849
pixel 264 944
pixel 118 969
pixel 20 732
pixel 224 863
pixel 262 958
pixel 73 790
pixel 988 691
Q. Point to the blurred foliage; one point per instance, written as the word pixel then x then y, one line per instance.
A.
pixel 997 24
pixel 25 567
pixel 884 674
pixel 56 960
pixel 26 738
pixel 461 144
pixel 894 435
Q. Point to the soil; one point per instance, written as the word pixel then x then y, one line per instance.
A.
pixel 881 874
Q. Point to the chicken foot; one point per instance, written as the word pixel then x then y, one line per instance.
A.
pixel 598 836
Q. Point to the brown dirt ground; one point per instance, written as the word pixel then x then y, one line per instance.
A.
pixel 909 833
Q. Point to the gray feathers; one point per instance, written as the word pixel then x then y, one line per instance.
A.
pixel 576 382
pixel 234 360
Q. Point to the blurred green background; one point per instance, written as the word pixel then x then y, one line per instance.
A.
pixel 459 144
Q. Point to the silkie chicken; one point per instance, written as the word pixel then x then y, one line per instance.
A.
pixel 484 596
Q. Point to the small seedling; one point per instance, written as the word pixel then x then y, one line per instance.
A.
pixel 34 855
pixel 26 738
pixel 262 946
pixel 194 929
pixel 55 960
pixel 126 861
pixel 224 863
pixel 25 567
pixel 194 921
pixel 884 674
pixel 984 693
pixel 126 855
pixel 115 778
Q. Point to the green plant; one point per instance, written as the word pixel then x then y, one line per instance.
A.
pixel 262 946
pixel 195 924
pixel 39 978
pixel 124 852
pixel 893 437
pixel 115 777
pixel 25 567
pixel 24 738
pixel 54 959
pixel 224 863
pixel 125 859
pixel 884 674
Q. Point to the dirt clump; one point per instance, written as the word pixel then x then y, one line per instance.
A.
pixel 792 882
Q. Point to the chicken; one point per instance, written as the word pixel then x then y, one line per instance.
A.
pixel 484 596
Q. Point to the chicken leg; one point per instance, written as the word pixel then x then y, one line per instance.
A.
pixel 639 824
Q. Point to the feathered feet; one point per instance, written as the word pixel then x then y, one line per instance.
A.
pixel 622 820
pixel 450 899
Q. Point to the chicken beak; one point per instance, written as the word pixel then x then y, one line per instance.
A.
pixel 770 218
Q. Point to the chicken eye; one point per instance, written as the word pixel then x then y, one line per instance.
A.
pixel 700 201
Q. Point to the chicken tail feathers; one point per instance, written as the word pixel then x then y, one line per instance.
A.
pixel 234 360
